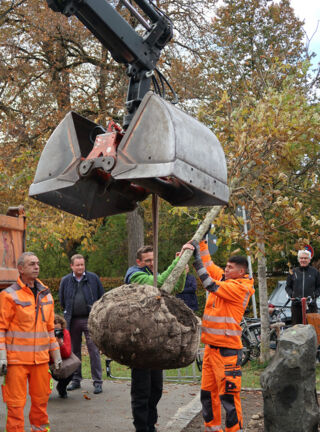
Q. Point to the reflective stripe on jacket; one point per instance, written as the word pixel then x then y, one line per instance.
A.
pixel 26 324
pixel 225 307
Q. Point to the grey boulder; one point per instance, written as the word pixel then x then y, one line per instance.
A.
pixel 289 383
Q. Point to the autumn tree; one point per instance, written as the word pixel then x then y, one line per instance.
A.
pixel 254 45
pixel 272 147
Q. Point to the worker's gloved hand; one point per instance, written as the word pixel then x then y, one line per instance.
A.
pixel 196 252
pixel 57 360
pixel 206 233
pixel 3 362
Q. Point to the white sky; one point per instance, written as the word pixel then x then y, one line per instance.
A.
pixel 309 12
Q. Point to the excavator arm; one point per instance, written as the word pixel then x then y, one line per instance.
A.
pixel 92 172
pixel 139 53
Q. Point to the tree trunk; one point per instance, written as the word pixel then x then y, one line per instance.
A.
pixel 263 299
pixel 179 268
pixel 135 230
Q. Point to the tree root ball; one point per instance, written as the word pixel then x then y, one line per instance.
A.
pixel 143 327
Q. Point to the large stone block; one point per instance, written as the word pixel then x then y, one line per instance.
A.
pixel 143 327
pixel 289 383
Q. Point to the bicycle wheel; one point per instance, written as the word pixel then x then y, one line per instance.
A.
pixel 245 350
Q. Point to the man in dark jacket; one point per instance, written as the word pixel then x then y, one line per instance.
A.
pixel 304 281
pixel 188 295
pixel 78 291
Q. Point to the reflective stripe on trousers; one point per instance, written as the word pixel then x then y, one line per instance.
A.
pixel 14 393
pixel 221 385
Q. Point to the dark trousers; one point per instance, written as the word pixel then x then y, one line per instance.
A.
pixel 296 312
pixel 62 383
pixel 77 327
pixel 146 391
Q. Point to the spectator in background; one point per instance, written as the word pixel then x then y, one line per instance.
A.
pixel 188 295
pixel 78 291
pixel 64 340
pixel 303 281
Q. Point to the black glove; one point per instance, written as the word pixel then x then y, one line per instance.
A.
pixel 196 252
pixel 206 233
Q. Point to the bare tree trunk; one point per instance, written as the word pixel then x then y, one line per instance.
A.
pixel 263 298
pixel 179 268
pixel 135 230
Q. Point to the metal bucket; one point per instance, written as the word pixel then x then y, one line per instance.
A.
pixel 164 142
pixel 164 151
pixel 57 181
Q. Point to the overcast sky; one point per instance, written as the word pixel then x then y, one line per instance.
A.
pixel 309 11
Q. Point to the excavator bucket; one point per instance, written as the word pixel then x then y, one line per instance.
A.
pixel 57 181
pixel 172 154
pixel 163 151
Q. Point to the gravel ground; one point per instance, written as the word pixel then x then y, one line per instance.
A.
pixel 252 408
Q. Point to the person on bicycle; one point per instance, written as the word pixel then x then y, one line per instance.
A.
pixel 229 294
pixel 303 281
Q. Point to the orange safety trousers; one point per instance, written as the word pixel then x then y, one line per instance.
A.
pixel 221 384
pixel 14 392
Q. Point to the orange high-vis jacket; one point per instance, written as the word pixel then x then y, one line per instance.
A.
pixel 225 307
pixel 26 324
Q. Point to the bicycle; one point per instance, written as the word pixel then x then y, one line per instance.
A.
pixel 251 333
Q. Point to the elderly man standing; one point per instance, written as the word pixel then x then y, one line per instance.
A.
pixel 304 281
pixel 78 291
pixel 26 343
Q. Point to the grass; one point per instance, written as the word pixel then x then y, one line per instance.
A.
pixel 250 372
pixel 120 371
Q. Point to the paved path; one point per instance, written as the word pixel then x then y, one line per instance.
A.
pixel 110 411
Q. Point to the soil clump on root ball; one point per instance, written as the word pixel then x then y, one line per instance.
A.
pixel 144 327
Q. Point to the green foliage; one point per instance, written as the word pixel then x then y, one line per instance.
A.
pixel 106 250
pixel 54 262
pixel 174 231
pixel 250 41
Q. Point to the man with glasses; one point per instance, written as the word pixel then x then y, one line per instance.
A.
pixel 146 384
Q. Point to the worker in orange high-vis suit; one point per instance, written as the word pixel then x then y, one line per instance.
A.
pixel 26 343
pixel 229 293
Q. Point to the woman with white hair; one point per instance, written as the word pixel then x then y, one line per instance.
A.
pixel 303 281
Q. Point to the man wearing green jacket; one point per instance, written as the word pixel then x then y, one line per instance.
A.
pixel 146 384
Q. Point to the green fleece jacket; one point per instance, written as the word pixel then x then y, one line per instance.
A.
pixel 143 278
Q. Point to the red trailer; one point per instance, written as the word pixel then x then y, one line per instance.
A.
pixel 12 243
